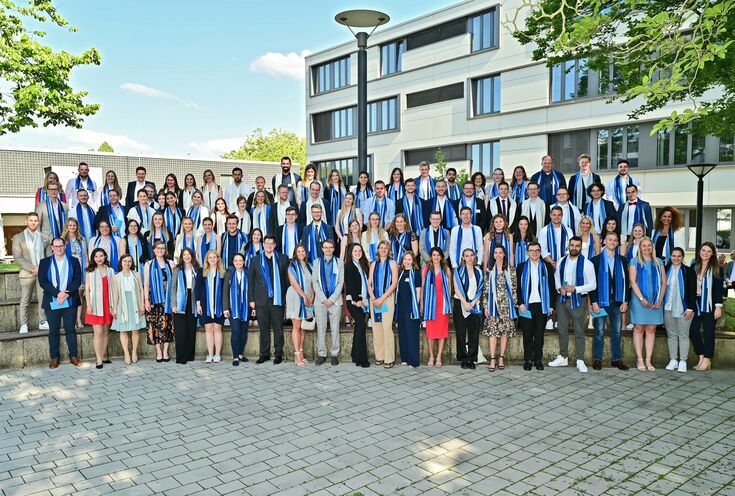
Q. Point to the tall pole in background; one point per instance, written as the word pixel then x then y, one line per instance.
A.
pixel 700 170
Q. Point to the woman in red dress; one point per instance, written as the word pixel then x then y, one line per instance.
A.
pixel 98 296
pixel 436 303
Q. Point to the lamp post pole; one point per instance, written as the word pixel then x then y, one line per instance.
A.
pixel 362 153
pixel 700 170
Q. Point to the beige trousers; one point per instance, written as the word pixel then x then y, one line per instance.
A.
pixel 27 286
pixel 384 342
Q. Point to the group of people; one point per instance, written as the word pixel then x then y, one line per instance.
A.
pixel 495 255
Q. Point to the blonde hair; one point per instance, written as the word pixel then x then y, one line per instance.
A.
pixel 343 211
pixel 390 250
pixel 639 256
pixel 206 265
pixel 381 231
pixel 65 232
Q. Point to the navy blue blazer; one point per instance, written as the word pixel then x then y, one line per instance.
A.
pixel 326 228
pixel 647 214
pixel 596 264
pixel 50 291
pixel 302 212
pixel 573 189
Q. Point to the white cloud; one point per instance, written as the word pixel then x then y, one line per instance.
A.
pixel 140 89
pixel 290 65
pixel 216 146
pixel 89 138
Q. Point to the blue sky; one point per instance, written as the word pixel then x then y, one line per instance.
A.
pixel 193 78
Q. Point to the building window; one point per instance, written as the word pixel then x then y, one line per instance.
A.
pixel 727 148
pixel 680 147
pixel 331 75
pixel 608 80
pixel 484 29
pixel 391 56
pixel 383 115
pixel 452 153
pixel 345 166
pixel 435 34
pixel 484 157
pixel 616 143
pixel 435 95
pixel 567 147
pixel 663 152
pixel 334 124
pixel 569 80
pixel 486 95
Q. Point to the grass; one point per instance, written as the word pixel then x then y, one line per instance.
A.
pixel 729 314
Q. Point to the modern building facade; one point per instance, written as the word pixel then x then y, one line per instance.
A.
pixel 456 79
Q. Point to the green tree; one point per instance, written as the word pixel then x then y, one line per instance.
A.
pixel 271 147
pixel 440 164
pixel 106 147
pixel 662 51
pixel 36 89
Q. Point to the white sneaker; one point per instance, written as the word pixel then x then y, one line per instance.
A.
pixel 682 366
pixel 673 364
pixel 209 359
pixel 629 327
pixel 559 361
pixel 217 359
pixel 23 329
pixel 581 366
pixel 43 326
pixel 549 325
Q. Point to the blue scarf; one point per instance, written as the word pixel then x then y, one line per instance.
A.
pixel 56 216
pixel 597 220
pixel 579 194
pixel 519 192
pixel 431 189
pixel 272 280
pixel 160 293
pixel 521 252
pixel 551 241
pixel 251 252
pixel 241 240
pixel 410 275
pixel 548 185
pixel 396 194
pixel 668 245
pixel 453 192
pixel 579 280
pixel 382 279
pixel 266 210
pixel 400 244
pixel 459 242
pixel 136 251
pixel 430 295
pixel 416 214
pixel 591 247
pixel 181 292
pixel 105 196
pixel 361 196
pixel 55 277
pixel 450 216
pixel 193 214
pixel 287 244
pixel 336 198
pixel 543 282
pixel 493 191
pixel 649 280
pixel 329 281
pixel 144 216
pixel 153 239
pixel 603 280
pixel 704 299
pixel 464 203
pixel 680 283
pixel 187 244
pixel 173 220
pixel 429 238
pixel 78 184
pixel 85 216
pixel 314 240
pixel 83 252
pixel 492 302
pixel 206 311
pixel 619 189
pixel 204 247
pixel 298 274
pixel 239 295
pixel 113 255
pixel 463 279
pixel 505 243
pixel 381 208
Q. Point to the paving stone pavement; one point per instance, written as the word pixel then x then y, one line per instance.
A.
pixel 257 430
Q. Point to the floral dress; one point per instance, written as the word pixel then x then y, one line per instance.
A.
pixel 503 325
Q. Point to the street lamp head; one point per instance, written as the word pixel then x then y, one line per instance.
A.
pixel 701 170
pixel 361 18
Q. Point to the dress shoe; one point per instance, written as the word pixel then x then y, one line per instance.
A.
pixel 597 364
pixel 618 364
pixel 278 360
pixel 75 361
pixel 54 363
pixel 463 365
pixel 539 365
pixel 365 365
pixel 107 362
pixel 262 359
pixel 527 366
pixel 335 361
pixel 471 365
pixel 321 360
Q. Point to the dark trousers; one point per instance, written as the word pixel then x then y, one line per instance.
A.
pixel 239 336
pixel 270 316
pixel 55 318
pixel 185 335
pixel 533 333
pixel 707 321
pixel 359 338
pixel 467 333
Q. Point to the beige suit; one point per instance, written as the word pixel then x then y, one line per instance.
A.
pixel 28 281
pixel 44 220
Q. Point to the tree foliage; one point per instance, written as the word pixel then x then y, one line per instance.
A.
pixel 440 164
pixel 663 51
pixel 271 147
pixel 34 79
pixel 106 147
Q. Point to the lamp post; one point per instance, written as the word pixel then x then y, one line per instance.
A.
pixel 361 19
pixel 700 170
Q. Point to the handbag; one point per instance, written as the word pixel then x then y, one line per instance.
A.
pixel 308 324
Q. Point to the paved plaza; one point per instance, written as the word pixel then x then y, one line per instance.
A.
pixel 201 429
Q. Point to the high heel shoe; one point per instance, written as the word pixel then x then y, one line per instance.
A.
pixel 501 367
pixel 706 365
pixel 430 363
pixel 303 358
pixel 640 365
pixel 491 367
pixel 299 362
pixel 649 366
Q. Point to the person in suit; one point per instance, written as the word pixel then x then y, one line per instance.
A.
pixel 315 233
pixel 280 207
pixel 634 211
pixel 137 185
pixel 290 179
pixel 81 183
pixel 60 276
pixel 535 210
pixel 52 213
pixel 84 214
pixel 598 209
pixel 314 198
pixel 570 213
pixel 434 236
pixel 412 207
pixel 358 302
pixel 425 184
pixel 289 234
pixel 267 284
pixel 30 246
pixel 113 214
pixel 380 203
pixel 236 189
pixel 611 295
pixel 616 186
pixel 580 183
pixel 536 297
pixel 328 281
pixel 709 304
pixel 441 203
pixel 465 235
pixel 549 180
pixel 479 210
pixel 504 205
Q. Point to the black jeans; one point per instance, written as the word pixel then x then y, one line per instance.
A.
pixel 533 333
pixel 270 316
pixel 467 333
pixel 185 334
pixel 706 348
pixel 359 338
pixel 238 336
